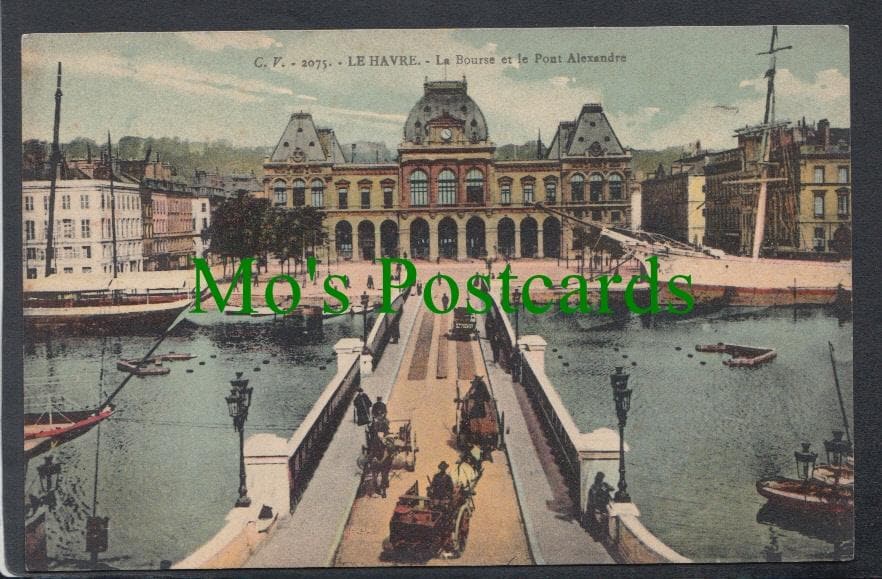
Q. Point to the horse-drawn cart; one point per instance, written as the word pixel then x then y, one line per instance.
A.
pixel 479 422
pixel 388 444
pixel 421 524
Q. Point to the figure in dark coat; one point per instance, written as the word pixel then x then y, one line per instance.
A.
pixel 379 409
pixel 441 488
pixel 599 498
pixel 362 408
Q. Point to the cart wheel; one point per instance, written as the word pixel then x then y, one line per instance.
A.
pixel 460 532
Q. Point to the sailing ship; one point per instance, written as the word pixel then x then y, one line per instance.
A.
pixel 46 430
pixel 140 301
pixel 718 277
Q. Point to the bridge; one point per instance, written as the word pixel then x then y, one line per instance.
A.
pixel 307 509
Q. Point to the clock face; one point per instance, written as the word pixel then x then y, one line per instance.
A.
pixel 446 134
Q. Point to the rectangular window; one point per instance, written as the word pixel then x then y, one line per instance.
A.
pixel 550 191
pixel 45 203
pixel 29 203
pixel 616 216
pixel 505 194
pixel 84 201
pixel 528 193
pixel 30 230
pixel 318 197
pixel 819 204
pixel 597 215
pixel 343 198
pixel 85 229
pixel 204 207
pixel 87 270
pixel 388 197
pixel 68 270
pixel 205 223
pixel 842 204
pixel 31 253
pixel 365 198
pixel 65 201
pixel 32 273
pixel 819 174
pixel 68 228
pixel 843 174
pixel 578 190
pixel 87 251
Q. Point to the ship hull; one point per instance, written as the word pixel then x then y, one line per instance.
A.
pixel 120 319
pixel 794 495
pixel 41 436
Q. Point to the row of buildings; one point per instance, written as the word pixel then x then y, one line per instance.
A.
pixel 147 221
pixel 708 198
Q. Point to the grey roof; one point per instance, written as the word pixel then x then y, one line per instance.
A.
pixel 445 98
pixel 300 137
pixel 589 135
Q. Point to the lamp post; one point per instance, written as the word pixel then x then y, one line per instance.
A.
pixel 516 302
pixel 365 300
pixel 238 402
pixel 805 462
pixel 622 397
pixel 48 473
pixel 836 449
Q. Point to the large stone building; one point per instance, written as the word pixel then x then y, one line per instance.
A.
pixel 673 204
pixel 447 195
pixel 83 233
pixel 808 213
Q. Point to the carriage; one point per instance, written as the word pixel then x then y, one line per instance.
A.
pixel 389 442
pixel 478 421
pixel 465 325
pixel 422 524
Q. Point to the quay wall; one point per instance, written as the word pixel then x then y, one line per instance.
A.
pixel 578 453
pixel 274 464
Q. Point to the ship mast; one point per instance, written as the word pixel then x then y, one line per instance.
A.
pixel 54 159
pixel 768 122
pixel 112 204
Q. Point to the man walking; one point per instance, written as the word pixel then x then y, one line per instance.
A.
pixel 362 407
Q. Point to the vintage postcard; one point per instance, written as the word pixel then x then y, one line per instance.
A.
pixel 365 298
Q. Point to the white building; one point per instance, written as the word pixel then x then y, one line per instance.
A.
pixel 83 237
pixel 201 222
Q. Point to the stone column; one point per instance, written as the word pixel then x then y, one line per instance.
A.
pixel 517 242
pixel 533 350
pixel 598 452
pixel 492 239
pixel 347 350
pixel 404 240
pixel 433 240
pixel 540 246
pixel 461 241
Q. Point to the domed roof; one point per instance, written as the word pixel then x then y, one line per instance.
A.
pixel 445 98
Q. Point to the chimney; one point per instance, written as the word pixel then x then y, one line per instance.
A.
pixel 824 133
pixel 352 160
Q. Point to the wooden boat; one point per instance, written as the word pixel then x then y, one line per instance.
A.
pixel 741 356
pixel 808 496
pixel 46 430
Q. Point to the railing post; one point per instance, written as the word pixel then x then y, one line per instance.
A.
pixel 347 350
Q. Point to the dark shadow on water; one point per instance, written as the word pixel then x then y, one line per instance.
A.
pixel 837 531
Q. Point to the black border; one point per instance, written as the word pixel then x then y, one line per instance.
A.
pixel 863 18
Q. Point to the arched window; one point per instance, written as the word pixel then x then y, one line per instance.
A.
pixel 419 189
pixel 596 187
pixel 447 187
pixel 318 193
pixel 475 186
pixel 615 187
pixel 299 190
pixel 280 195
pixel 577 187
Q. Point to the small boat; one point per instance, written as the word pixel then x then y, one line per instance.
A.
pixel 809 496
pixel 46 430
pixel 741 356
pixel 151 366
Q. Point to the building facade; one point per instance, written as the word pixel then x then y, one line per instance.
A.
pixel 83 237
pixel 447 196
pixel 172 242
pixel 673 204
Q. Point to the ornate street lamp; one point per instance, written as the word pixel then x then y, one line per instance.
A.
pixel 365 300
pixel 836 449
pixel 805 462
pixel 622 397
pixel 238 402
pixel 516 302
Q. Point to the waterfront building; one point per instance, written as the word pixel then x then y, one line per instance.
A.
pixel 447 196
pixel 83 236
pixel 808 213
pixel 673 204
pixel 173 245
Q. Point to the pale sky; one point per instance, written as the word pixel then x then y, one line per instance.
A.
pixel 676 85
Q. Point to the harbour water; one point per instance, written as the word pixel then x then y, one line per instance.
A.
pixel 701 434
pixel 167 460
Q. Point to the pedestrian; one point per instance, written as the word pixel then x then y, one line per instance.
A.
pixel 438 277
pixel 441 487
pixel 362 407
pixel 370 282
pixel 419 288
pixel 599 498
pixel 445 301
pixel 379 408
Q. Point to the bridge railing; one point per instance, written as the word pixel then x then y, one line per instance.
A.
pixel 312 437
